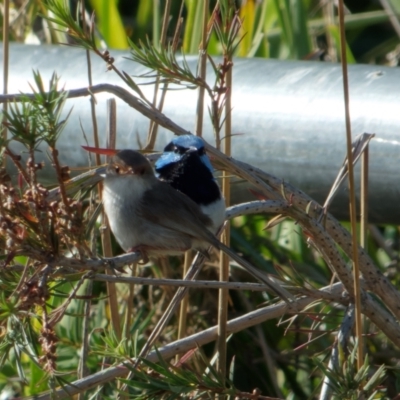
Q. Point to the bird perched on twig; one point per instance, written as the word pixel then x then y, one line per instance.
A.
pixel 149 216
pixel 185 166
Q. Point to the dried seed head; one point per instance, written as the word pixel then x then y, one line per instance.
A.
pixel 65 173
pixel 10 243
pixel 4 177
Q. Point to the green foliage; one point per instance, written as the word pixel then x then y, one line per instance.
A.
pixel 22 124
pixel 336 36
pixel 285 29
pixel 110 23
pixel 291 16
pixel 349 384
pixel 166 381
pixel 60 15
pixel 192 34
pixel 37 119
pixel 165 63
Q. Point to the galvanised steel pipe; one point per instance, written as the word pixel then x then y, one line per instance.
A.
pixel 288 117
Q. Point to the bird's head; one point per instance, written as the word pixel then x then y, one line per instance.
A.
pixel 129 162
pixel 177 150
pixel 124 162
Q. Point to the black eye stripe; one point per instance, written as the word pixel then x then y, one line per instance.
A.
pixel 169 147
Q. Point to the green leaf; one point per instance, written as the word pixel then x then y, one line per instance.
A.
pixel 334 30
pixel 192 34
pixel 247 15
pixel 110 23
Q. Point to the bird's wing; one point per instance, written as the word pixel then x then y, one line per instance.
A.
pixel 177 212
pixel 165 206
pixel 261 276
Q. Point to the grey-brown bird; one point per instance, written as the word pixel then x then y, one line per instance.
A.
pixel 148 215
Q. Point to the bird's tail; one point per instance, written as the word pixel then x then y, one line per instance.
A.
pixel 261 276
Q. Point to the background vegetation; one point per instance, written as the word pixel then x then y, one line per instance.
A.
pixel 58 324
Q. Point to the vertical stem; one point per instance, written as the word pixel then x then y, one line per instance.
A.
pixel 106 234
pixel 151 139
pixel 224 259
pixel 129 307
pixel 202 72
pixel 156 22
pixel 364 215
pixel 89 286
pixel 353 215
pixel 6 26
pixel 83 369
pixel 364 197
pixel 198 131
pixel 57 167
pixel 329 15
pixel 185 300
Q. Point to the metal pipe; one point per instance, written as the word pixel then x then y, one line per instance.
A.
pixel 288 117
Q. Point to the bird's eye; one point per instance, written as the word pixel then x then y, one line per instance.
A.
pixel 169 147
pixel 176 149
pixel 117 169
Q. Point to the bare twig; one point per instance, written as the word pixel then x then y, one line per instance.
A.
pixel 358 147
pixel 179 282
pixel 152 136
pixel 272 187
pixel 106 232
pixel 384 320
pixel 352 190
pixel 364 198
pixel 6 31
pixel 223 297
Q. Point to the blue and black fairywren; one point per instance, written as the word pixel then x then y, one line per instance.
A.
pixel 185 166
pixel 150 216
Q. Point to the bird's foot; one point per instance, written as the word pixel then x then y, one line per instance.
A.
pixel 143 252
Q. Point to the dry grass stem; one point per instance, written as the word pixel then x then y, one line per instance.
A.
pixel 248 320
pixel 273 188
pixel 352 190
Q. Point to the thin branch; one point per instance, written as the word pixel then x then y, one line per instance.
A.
pixel 352 190
pixel 6 59
pixel 257 287
pixel 106 232
pixel 364 198
pixel 153 128
pixel 273 188
pixel 390 327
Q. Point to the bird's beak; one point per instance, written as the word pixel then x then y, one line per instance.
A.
pixel 105 152
pixel 99 150
pixel 191 149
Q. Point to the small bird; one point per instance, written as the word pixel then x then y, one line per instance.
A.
pixel 185 166
pixel 150 216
